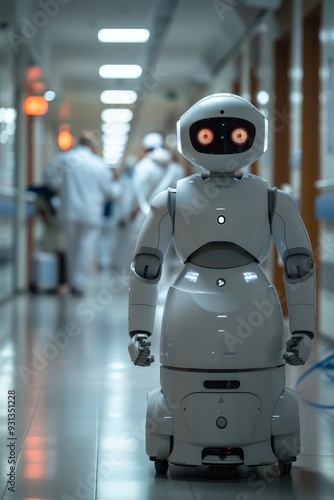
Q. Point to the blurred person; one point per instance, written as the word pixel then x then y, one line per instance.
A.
pixel 148 180
pixel 158 170
pixel 124 208
pixel 84 184
pixel 107 238
pixel 176 169
pixel 150 172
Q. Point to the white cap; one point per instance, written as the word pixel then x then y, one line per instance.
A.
pixel 153 141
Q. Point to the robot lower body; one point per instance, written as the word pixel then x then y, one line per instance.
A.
pixel 223 400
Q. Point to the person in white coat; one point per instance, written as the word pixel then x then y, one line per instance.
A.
pixel 148 179
pixel 84 184
pixel 150 171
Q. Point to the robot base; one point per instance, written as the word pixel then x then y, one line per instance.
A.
pixel 255 424
pixel 220 468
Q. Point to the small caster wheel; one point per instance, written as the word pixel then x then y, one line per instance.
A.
pixel 284 467
pixel 161 466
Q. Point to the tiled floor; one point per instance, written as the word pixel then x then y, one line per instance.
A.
pixel 80 411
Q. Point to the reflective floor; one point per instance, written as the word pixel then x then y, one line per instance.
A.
pixel 80 411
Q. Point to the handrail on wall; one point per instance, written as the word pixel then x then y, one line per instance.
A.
pixel 324 202
pixel 12 192
pixel 324 183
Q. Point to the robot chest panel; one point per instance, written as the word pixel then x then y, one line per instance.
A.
pixel 208 213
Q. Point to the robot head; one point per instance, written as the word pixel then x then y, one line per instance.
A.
pixel 222 133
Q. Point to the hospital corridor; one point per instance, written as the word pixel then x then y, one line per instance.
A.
pixel 166 190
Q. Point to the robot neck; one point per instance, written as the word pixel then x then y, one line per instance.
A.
pixel 225 179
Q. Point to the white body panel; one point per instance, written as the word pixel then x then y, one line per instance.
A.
pixel 237 326
pixel 243 204
pixel 201 420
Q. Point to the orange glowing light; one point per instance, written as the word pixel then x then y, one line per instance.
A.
pixel 65 140
pixel 37 87
pixel 64 126
pixel 35 105
pixel 34 73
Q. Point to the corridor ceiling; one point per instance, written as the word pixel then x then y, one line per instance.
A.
pixel 189 42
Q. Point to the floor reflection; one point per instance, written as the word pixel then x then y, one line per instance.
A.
pixel 80 410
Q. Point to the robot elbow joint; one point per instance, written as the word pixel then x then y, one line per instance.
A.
pixel 148 266
pixel 298 266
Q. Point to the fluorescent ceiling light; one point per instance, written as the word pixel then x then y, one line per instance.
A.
pixel 112 159
pixel 113 163
pixel 113 150
pixel 114 139
pixel 118 96
pixel 123 115
pixel 7 115
pixel 113 156
pixel 115 127
pixel 109 150
pixel 123 35
pixel 120 71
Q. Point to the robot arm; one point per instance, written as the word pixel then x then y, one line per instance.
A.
pixel 294 247
pixel 145 272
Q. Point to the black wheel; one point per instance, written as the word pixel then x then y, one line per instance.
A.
pixel 223 471
pixel 284 467
pixel 161 466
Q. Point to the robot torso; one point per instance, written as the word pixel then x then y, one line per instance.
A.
pixel 209 211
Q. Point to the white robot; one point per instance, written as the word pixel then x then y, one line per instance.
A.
pixel 223 399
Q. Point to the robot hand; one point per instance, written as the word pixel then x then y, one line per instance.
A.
pixel 139 350
pixel 299 346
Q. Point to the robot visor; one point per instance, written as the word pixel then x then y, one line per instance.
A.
pixel 226 135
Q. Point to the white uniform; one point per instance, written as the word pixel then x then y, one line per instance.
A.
pixel 124 206
pixel 149 177
pixel 84 184
pixel 148 180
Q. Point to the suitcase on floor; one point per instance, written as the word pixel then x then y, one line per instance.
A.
pixel 44 272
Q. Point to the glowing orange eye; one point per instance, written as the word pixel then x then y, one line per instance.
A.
pixel 205 136
pixel 239 136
